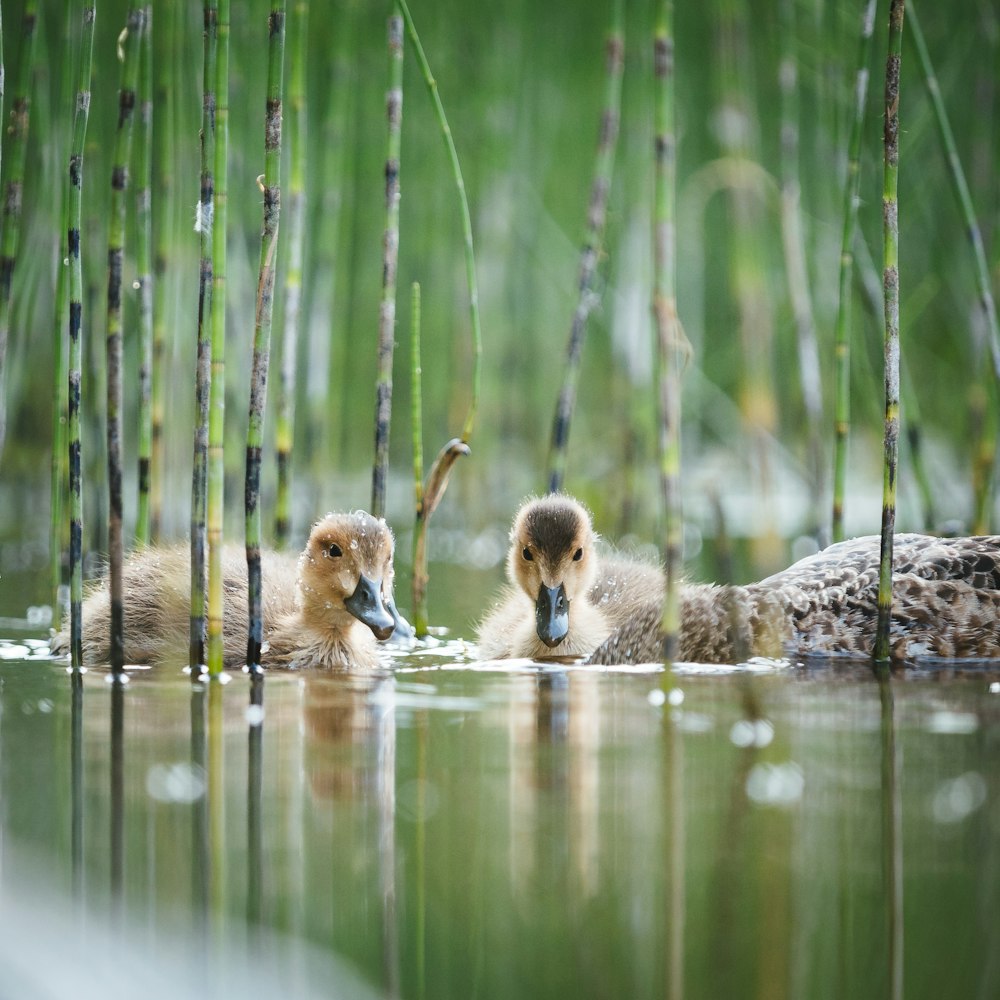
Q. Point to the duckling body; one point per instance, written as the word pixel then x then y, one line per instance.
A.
pixel 325 607
pixel 946 601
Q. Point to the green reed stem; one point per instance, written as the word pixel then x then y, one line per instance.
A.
pixel 842 349
pixel 217 399
pixel 13 190
pixel 164 143
pixel 470 256
pixel 419 580
pixel 74 211
pixel 972 227
pixel 593 239
pixel 58 468
pixel 890 286
pixel 390 258
pixel 262 326
pixel 669 339
pixel 131 45
pixel 203 363
pixel 796 268
pixel 295 137
pixel 144 277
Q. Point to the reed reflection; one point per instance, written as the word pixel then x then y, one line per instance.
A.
pixel 892 837
pixel 117 797
pixel 255 790
pixel 76 784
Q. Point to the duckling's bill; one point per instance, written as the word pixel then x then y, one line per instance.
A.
pixel 367 606
pixel 552 614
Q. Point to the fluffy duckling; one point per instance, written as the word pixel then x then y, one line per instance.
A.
pixel 563 599
pixel 325 607
pixel 567 599
pixel 945 603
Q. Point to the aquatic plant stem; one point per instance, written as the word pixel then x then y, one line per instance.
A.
pixel 131 46
pixel 796 268
pixel 668 334
pixel 470 256
pixel 217 397
pixel 295 137
pixel 81 116
pixel 13 190
pixel 592 242
pixel 390 258
pixel 890 291
pixel 58 465
pixel 144 276
pixel 419 579
pixel 842 334
pixel 961 186
pixel 203 361
pixel 262 327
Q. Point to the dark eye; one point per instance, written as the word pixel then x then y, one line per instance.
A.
pixel 578 555
pixel 336 550
pixel 526 552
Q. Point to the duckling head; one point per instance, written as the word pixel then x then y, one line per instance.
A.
pixel 345 573
pixel 552 559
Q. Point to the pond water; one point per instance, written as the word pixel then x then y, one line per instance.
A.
pixel 449 828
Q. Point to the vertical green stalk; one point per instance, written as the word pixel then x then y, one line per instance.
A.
pixel 842 350
pixel 419 579
pixel 890 291
pixel 972 227
pixel 74 210
pixel 295 212
pixel 592 241
pixel 390 258
pixel 10 213
pixel 202 392
pixel 59 416
pixel 669 341
pixel 217 401
pixel 164 143
pixel 470 256
pixel 116 252
pixel 796 269
pixel 143 238
pixel 262 326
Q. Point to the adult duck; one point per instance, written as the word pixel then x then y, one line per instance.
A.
pixel 326 607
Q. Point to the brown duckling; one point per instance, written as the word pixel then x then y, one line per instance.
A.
pixel 563 598
pixel 325 607
pixel 567 599
pixel 945 603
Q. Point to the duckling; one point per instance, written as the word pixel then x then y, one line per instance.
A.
pixel 945 603
pixel 562 599
pixel 325 607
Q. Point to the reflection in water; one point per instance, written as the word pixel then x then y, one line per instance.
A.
pixel 544 833
pixel 892 837
pixel 117 797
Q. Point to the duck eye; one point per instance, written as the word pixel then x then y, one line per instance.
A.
pixel 578 555
pixel 526 552
pixel 336 550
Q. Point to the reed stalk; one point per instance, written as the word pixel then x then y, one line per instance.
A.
pixel 131 45
pixel 74 200
pixel 587 297
pixel 961 186
pixel 217 398
pixel 295 138
pixel 470 256
pixel 668 334
pixel 164 143
pixel 390 258
pixel 427 493
pixel 842 334
pixel 144 277
pixel 262 326
pixel 890 287
pixel 59 463
pixel 13 190
pixel 202 392
pixel 796 268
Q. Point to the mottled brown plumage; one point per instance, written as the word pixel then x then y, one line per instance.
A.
pixel 307 601
pixel 946 600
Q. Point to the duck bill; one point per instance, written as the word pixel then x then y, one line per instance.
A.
pixel 366 605
pixel 552 615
